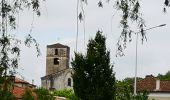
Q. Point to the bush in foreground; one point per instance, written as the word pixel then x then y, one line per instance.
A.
pixel 67 93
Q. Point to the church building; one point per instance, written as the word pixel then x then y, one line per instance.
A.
pixel 58 72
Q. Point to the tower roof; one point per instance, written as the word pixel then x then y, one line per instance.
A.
pixel 57 45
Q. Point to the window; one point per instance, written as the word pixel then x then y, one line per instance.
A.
pixel 69 82
pixel 56 51
pixel 56 61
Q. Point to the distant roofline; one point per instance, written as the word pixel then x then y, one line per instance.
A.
pixel 151 80
pixel 57 45
pixel 18 80
pixel 56 73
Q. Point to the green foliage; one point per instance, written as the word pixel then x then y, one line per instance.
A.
pixel 124 92
pixel 130 80
pixel 68 93
pixel 164 77
pixel 131 16
pixel 141 96
pixel 6 95
pixel 130 10
pixel 9 43
pixel 28 95
pixel 93 77
pixel 43 94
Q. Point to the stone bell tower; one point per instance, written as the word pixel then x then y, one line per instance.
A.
pixel 57 58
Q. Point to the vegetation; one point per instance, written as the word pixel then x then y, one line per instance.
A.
pixel 43 94
pixel 141 96
pixel 67 93
pixel 164 77
pixel 124 92
pixel 29 95
pixel 93 77
pixel 37 94
pixel 9 43
pixel 7 95
pixel 130 16
pixel 130 80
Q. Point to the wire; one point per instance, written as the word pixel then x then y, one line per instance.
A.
pixel 77 24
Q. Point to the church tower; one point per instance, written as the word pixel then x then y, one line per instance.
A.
pixel 57 58
pixel 58 73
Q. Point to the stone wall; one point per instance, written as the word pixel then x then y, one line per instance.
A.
pixel 60 80
pixel 63 58
pixel 57 67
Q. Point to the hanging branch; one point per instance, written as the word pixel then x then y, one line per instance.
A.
pixel 9 44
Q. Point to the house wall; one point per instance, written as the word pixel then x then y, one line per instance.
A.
pixel 45 83
pixel 23 85
pixel 60 80
pixel 159 96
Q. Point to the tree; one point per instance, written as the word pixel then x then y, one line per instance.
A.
pixel 93 77
pixel 131 16
pixel 124 92
pixel 164 77
pixel 9 43
pixel 130 81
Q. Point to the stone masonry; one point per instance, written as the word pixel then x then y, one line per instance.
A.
pixel 58 73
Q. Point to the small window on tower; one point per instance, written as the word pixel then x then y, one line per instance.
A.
pixel 56 51
pixel 69 82
pixel 56 61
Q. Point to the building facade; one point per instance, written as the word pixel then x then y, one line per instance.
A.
pixel 58 72
pixel 158 89
pixel 20 86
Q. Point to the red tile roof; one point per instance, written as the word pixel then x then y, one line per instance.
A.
pixel 165 86
pixel 18 92
pixel 149 84
pixel 17 80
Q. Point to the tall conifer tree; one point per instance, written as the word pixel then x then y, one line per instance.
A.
pixel 93 76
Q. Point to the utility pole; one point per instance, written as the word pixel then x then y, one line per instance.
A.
pixel 136 58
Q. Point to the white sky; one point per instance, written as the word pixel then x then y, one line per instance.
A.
pixel 57 24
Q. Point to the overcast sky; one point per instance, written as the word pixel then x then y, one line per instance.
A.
pixel 57 24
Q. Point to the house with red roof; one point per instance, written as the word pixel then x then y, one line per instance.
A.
pixel 19 87
pixel 158 89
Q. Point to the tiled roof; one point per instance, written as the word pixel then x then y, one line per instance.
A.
pixel 165 86
pixel 149 84
pixel 17 80
pixel 57 45
pixel 18 92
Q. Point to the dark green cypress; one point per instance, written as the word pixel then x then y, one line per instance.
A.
pixel 93 76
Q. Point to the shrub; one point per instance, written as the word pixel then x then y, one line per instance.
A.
pixel 68 93
pixel 6 95
pixel 29 95
pixel 141 96
pixel 43 94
